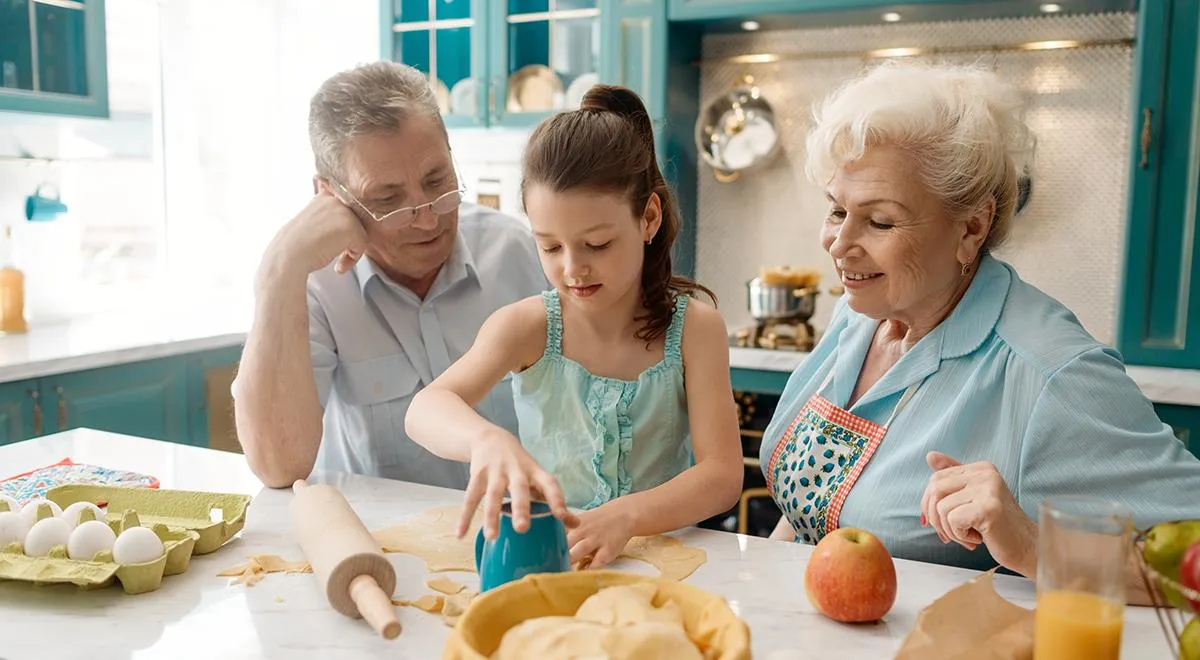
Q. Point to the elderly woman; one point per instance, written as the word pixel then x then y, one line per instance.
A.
pixel 948 397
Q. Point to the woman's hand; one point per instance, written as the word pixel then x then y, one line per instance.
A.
pixel 499 463
pixel 600 534
pixel 971 504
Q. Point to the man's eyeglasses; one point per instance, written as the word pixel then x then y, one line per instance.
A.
pixel 443 205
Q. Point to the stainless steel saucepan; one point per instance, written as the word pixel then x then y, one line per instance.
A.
pixel 773 302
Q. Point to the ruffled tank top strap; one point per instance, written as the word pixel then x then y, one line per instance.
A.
pixel 673 350
pixel 554 326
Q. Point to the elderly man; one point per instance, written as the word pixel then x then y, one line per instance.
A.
pixel 378 284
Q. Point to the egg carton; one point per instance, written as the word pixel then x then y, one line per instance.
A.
pixel 187 523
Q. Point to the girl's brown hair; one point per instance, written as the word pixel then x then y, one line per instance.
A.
pixel 607 145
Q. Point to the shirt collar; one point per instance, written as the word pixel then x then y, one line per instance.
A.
pixel 966 329
pixel 459 266
pixel 976 315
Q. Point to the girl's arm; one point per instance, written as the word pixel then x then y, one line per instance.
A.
pixel 783 531
pixel 708 488
pixel 442 418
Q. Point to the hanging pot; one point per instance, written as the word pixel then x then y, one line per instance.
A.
pixel 737 132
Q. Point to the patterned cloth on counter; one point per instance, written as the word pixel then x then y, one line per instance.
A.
pixel 35 483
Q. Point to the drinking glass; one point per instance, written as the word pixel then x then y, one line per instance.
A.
pixel 1083 549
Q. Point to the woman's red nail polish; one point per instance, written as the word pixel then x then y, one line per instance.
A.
pixel 923 522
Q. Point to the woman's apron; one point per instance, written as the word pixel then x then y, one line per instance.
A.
pixel 818 459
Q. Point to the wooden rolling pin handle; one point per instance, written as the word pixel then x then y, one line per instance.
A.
pixel 375 606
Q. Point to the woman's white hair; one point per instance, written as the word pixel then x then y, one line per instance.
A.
pixel 963 127
pixel 372 97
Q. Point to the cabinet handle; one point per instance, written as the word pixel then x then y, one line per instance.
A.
pixel 1145 138
pixel 62 408
pixel 37 413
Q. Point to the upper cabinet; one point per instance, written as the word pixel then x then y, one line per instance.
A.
pixel 53 57
pixel 1160 306
pixel 498 62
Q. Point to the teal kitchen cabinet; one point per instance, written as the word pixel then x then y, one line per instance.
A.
pixel 1185 420
pixel 1160 303
pixel 210 403
pixel 53 57
pixel 496 62
pixel 146 399
pixel 447 41
pixel 816 12
pixel 21 414
pixel 183 398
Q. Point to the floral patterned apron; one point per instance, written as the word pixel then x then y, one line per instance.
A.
pixel 818 459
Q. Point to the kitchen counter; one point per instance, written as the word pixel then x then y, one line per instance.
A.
pixel 123 337
pixel 1160 385
pixel 285 615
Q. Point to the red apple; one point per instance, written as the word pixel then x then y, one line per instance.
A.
pixel 851 577
pixel 1189 572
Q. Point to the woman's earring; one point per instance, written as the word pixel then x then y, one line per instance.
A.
pixel 649 239
pixel 966 268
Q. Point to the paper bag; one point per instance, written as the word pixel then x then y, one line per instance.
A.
pixel 971 621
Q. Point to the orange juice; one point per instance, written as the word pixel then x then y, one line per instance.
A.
pixel 1071 625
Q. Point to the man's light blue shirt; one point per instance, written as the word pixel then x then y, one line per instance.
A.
pixel 1010 377
pixel 374 344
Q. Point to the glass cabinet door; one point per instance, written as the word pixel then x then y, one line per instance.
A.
pixel 435 37
pixel 43 47
pixel 552 52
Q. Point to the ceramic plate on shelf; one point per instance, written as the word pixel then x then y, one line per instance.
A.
pixel 534 88
pixel 442 93
pixel 462 97
pixel 577 89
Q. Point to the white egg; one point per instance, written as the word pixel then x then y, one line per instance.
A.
pixel 12 528
pixel 45 534
pixel 30 511
pixel 70 515
pixel 88 538
pixel 137 545
pixel 13 505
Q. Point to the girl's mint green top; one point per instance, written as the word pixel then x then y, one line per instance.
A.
pixel 603 437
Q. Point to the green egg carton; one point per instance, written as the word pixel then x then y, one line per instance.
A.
pixel 101 571
pixel 216 517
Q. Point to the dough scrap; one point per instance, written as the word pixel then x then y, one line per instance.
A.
pixel 430 536
pixel 444 585
pixel 255 570
pixel 669 555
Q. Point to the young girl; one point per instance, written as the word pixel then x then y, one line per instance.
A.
pixel 621 380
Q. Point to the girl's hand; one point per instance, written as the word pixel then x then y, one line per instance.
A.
pixel 600 534
pixel 499 463
pixel 971 504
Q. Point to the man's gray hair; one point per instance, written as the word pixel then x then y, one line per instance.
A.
pixel 372 97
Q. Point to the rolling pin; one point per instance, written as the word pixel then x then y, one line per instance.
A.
pixel 357 579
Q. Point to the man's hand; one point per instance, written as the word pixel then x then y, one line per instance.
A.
pixel 324 230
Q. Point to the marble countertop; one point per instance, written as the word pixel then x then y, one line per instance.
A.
pixel 198 613
pixel 122 337
pixel 1160 385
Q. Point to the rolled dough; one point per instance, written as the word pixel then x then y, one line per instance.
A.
pixel 430 536
pixel 617 622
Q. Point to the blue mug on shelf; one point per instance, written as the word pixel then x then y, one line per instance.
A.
pixel 540 549
pixel 42 206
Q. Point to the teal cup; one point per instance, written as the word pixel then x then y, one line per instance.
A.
pixel 512 555
pixel 42 206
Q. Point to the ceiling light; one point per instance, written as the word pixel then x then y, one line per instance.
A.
pixel 1051 8
pixel 750 26
pixel 891 17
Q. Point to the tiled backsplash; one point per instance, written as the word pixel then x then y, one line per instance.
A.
pixel 1069 239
